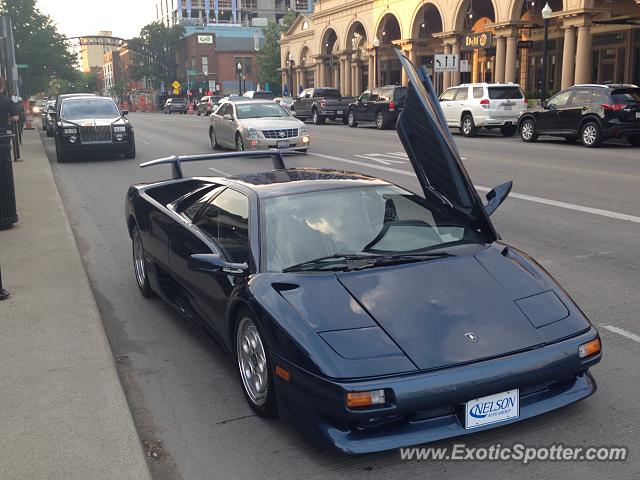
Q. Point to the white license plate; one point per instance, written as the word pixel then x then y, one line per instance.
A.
pixel 507 107
pixel 283 144
pixel 492 409
pixel 637 114
pixel 339 112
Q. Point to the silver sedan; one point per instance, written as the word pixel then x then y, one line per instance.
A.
pixel 256 125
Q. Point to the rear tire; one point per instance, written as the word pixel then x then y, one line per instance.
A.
pixel 528 130
pixel 590 135
pixel 635 141
pixel 254 366
pixel 468 126
pixel 380 125
pixel 508 130
pixel 351 119
pixel 317 118
pixel 140 264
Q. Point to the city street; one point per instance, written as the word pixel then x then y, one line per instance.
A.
pixel 573 209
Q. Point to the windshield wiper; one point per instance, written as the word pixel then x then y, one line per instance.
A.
pixel 334 261
pixel 398 259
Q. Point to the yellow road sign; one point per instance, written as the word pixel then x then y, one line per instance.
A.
pixel 176 91
pixel 175 84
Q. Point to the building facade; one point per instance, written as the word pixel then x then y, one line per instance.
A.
pixel 243 12
pixel 93 55
pixel 349 44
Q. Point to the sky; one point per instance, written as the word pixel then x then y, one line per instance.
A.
pixel 124 18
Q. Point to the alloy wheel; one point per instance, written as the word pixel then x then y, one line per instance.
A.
pixel 252 361
pixel 212 139
pixel 138 259
pixel 379 120
pixel 589 135
pixel 466 126
pixel 527 130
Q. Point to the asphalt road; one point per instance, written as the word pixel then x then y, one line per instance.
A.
pixel 572 209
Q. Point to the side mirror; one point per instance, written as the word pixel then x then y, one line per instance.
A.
pixel 551 106
pixel 213 263
pixel 544 104
pixel 496 196
pixel 125 112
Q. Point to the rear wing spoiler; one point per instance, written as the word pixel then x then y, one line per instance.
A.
pixel 176 161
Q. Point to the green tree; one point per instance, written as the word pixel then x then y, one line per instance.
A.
pixel 39 45
pixel 268 57
pixel 161 40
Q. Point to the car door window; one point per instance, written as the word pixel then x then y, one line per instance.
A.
pixel 365 96
pixel 561 99
pixel 225 220
pixel 447 96
pixel 478 92
pixel 461 94
pixel 581 96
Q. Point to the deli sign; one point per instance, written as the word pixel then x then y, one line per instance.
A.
pixel 474 41
pixel 205 39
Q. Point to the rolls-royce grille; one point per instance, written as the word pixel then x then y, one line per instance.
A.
pixel 99 133
pixel 282 133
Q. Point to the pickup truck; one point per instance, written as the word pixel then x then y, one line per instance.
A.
pixel 321 103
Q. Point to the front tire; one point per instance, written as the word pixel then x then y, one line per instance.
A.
pixel 590 135
pixel 61 155
pixel 212 139
pixel 140 264
pixel 468 126
pixel 254 366
pixel 131 151
pixel 528 131
pixel 351 119
pixel 239 143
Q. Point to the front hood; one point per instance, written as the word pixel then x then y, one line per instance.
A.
pixel 434 310
pixel 92 121
pixel 271 123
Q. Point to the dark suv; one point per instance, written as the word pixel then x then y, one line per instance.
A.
pixel 591 113
pixel 380 105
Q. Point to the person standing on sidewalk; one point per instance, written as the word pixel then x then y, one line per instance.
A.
pixel 8 110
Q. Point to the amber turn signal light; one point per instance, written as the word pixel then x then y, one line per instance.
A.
pixel 589 348
pixel 283 374
pixel 365 399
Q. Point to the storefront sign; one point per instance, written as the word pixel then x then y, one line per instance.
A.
pixel 474 41
pixel 205 39
pixel 525 44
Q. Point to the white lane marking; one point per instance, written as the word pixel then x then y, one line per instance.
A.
pixel 219 171
pixel 144 141
pixel 520 196
pixel 377 157
pixel 624 333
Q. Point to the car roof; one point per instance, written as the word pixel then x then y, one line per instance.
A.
pixel 292 181
pixel 608 85
pixel 250 100
pixel 506 84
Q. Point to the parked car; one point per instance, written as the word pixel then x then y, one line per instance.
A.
pixel 178 105
pixel 590 113
pixel 381 105
pixel 256 125
pixel 483 105
pixel 284 102
pixel 90 125
pixel 259 95
pixel 372 317
pixel 320 104
pixel 47 122
pixel 207 104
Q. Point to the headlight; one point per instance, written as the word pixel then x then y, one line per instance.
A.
pixel 36 109
pixel 252 133
pixel 120 128
pixel 70 131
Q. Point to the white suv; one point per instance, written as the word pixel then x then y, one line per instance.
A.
pixel 490 105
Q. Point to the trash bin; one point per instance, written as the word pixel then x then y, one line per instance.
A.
pixel 8 214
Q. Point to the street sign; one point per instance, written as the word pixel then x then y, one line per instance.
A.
pixel 191 72
pixel 446 62
pixel 176 91
pixel 175 85
pixel 464 66
pixel 22 66
pixel 525 44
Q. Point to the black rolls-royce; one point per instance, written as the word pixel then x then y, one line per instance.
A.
pixel 89 125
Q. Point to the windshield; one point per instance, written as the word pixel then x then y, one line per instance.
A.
pixel 89 107
pixel 379 220
pixel 260 110
pixel 504 93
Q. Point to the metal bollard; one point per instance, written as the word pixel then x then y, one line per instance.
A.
pixel 8 213
pixel 4 294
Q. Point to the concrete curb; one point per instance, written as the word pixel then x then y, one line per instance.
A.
pixel 64 412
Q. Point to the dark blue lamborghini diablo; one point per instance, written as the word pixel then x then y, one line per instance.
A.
pixel 373 317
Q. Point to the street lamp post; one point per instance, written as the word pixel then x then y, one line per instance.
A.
pixel 239 70
pixel 376 45
pixel 291 61
pixel 546 16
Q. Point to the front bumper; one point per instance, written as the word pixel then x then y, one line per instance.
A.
pixel 97 147
pixel 294 143
pixel 429 406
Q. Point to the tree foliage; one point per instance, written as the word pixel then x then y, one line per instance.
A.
pixel 162 40
pixel 269 55
pixel 39 45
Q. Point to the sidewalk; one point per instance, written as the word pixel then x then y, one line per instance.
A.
pixel 63 413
